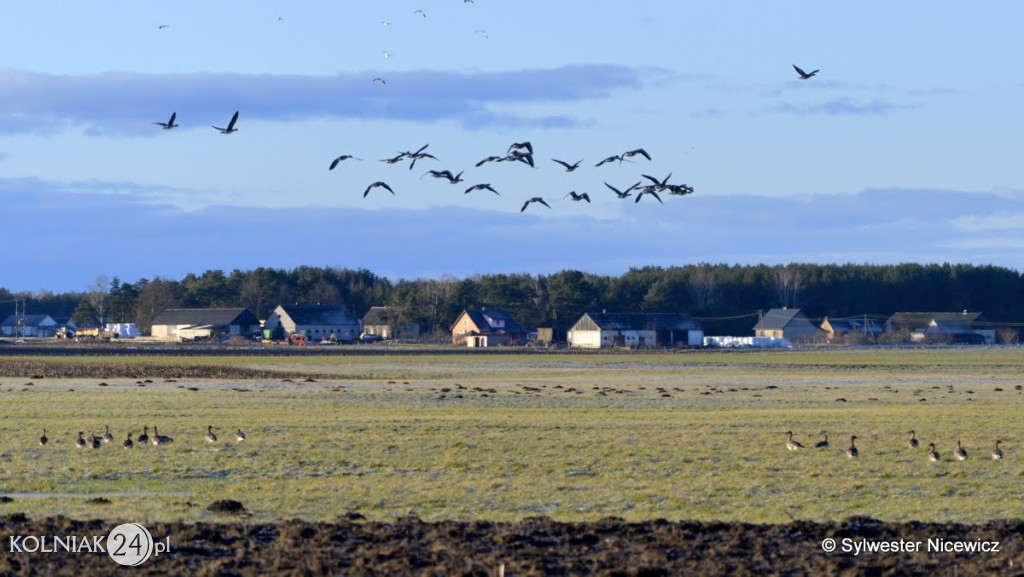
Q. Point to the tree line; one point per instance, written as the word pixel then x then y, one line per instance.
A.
pixel 724 297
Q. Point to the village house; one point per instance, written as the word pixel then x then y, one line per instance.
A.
pixel 316 322
pixel 189 324
pixel 599 329
pixel 384 323
pixel 486 328
pixel 786 323
pixel 963 327
pixel 839 328
pixel 29 326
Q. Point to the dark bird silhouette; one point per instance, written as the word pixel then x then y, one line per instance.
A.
pixel 791 444
pixel 128 443
pixel 578 197
pixel 380 184
pixel 658 184
pixel 532 200
pixel 852 451
pixel 491 159
pixel 210 436
pixel 634 152
pixel 648 190
pixel 804 75
pixel 144 437
pixel 395 159
pixel 997 453
pixel 823 444
pixel 960 453
pixel 568 167
pixel 912 441
pixel 521 146
pixel 524 157
pixel 418 155
pixel 335 162
pixel 381 80
pixel 612 158
pixel 239 436
pixel 162 26
pixel 43 440
pixel 107 437
pixel 622 193
pixel 454 179
pixel 679 189
pixel 159 439
pixel 170 123
pixel 420 12
pixel 933 453
pixel 231 125
pixel 481 187
pixel 80 442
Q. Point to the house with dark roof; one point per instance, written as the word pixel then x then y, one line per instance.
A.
pixel 316 321
pixel 203 323
pixel 29 326
pixel 839 328
pixel 385 323
pixel 600 329
pixel 963 327
pixel 486 328
pixel 786 323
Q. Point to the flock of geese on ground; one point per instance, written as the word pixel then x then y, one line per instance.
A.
pixel 97 441
pixel 933 454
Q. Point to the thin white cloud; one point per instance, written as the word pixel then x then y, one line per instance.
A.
pixel 116 102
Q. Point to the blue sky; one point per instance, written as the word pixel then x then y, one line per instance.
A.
pixel 904 147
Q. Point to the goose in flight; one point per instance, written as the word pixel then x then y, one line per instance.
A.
pixel 420 12
pixel 231 125
pixel 418 155
pixel 634 152
pixel 524 157
pixel 481 187
pixel 658 184
pixel 491 159
pixel 679 189
pixel 381 80
pixel 454 179
pixel 804 75
pixel 395 159
pixel 521 146
pixel 380 184
pixel 568 167
pixel 170 123
pixel 335 162
pixel 651 190
pixel 622 193
pixel 611 158
pixel 532 200
pixel 579 197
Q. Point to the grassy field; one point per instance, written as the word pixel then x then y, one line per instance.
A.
pixel 696 435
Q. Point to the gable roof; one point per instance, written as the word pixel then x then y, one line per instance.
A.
pixel 645 321
pixel 206 317
pixel 377 316
pixel 484 318
pixel 318 314
pixel 779 319
pixel 917 321
pixel 30 320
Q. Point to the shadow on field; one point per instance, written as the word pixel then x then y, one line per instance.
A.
pixel 533 546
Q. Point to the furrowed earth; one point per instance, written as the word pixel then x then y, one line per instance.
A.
pixel 888 499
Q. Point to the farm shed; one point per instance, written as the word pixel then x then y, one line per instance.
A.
pixel 786 323
pixel 384 322
pixel 838 328
pixel 193 323
pixel 486 327
pixel 963 327
pixel 316 321
pixel 28 326
pixel 596 330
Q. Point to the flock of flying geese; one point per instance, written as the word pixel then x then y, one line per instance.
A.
pixel 933 454
pixel 97 441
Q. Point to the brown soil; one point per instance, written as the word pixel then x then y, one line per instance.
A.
pixel 534 546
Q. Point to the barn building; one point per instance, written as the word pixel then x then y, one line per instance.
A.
pixel 786 323
pixel 316 321
pixel 486 328
pixel 188 324
pixel 384 322
pixel 644 330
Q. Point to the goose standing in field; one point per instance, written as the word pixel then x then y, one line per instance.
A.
pixel 933 453
pixel 960 453
pixel 823 444
pixel 80 443
pixel 159 439
pixel 210 437
pixel 107 437
pixel 43 440
pixel 852 451
pixel 128 444
pixel 231 125
pixel 997 453
pixel 95 441
pixel 912 441
pixel 239 436
pixel 791 444
pixel 144 437
pixel 170 123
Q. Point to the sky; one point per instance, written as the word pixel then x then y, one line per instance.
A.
pixel 904 147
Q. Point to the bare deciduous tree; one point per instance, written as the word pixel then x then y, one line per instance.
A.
pixel 789 284
pixel 704 288
pixel 97 298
